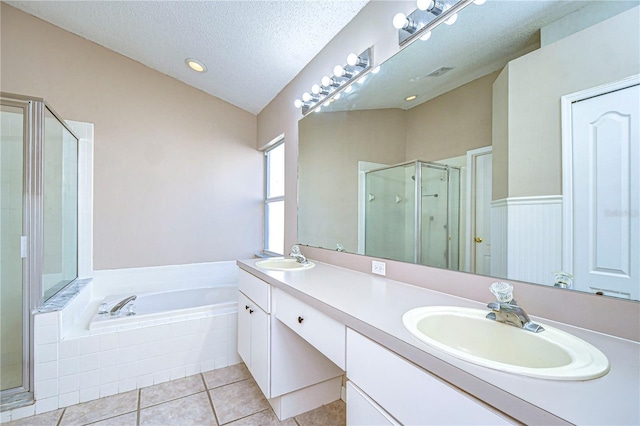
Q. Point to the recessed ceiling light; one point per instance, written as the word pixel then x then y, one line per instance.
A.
pixel 195 65
pixel 410 98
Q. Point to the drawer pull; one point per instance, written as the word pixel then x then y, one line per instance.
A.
pixel 300 319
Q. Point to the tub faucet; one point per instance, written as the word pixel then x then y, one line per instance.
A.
pixel 297 254
pixel 507 311
pixel 121 304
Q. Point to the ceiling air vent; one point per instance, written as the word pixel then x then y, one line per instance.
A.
pixel 439 71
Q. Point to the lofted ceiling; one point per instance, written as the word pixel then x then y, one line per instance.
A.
pixel 252 49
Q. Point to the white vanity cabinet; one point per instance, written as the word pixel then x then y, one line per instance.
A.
pixel 253 340
pixel 404 392
pixel 291 373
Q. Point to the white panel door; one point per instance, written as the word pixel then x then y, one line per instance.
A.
pixel 606 193
pixel 482 209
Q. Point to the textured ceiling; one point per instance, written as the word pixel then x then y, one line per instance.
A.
pixel 252 49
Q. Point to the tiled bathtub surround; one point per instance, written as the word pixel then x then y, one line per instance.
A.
pixel 228 396
pixel 73 365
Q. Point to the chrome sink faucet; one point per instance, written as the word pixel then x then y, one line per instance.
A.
pixel 507 311
pixel 297 254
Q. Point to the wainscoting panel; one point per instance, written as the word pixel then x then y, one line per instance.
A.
pixel 528 231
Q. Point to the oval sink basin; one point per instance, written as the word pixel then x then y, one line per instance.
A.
pixel 283 265
pixel 466 334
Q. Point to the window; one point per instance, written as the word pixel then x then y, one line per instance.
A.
pixel 274 199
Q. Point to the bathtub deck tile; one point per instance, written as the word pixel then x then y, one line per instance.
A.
pixel 227 375
pixel 170 390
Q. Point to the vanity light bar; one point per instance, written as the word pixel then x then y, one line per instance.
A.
pixel 422 21
pixel 330 87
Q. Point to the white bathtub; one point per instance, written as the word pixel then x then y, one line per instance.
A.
pixel 154 307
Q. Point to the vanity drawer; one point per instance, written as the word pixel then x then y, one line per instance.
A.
pixel 322 332
pixel 408 393
pixel 255 289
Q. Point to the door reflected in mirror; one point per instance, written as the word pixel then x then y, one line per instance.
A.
pixel 493 168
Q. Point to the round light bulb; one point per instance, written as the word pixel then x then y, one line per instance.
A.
pixel 362 79
pixel 338 71
pixel 326 103
pixel 315 89
pixel 352 59
pixel 425 4
pixel 337 96
pixel 348 89
pixel 306 97
pixel 426 36
pixel 376 70
pixel 318 109
pixel 297 103
pixel 399 20
pixel 452 20
pixel 326 81
pixel 479 2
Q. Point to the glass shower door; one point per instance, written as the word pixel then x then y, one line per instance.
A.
pixel 12 345
pixel 389 213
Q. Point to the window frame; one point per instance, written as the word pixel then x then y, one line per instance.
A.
pixel 268 200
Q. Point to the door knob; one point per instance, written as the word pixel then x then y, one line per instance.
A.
pixel 478 239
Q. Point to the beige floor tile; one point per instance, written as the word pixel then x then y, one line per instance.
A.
pixel 171 390
pixel 192 410
pixel 263 418
pixel 44 419
pixel 129 419
pixel 334 414
pixel 237 400
pixel 100 409
pixel 227 375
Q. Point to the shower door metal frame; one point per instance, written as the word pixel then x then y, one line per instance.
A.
pixel 16 396
pixel 32 228
pixel 417 218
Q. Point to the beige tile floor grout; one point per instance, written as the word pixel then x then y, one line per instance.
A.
pixel 231 398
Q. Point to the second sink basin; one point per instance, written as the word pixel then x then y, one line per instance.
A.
pixel 281 264
pixel 466 334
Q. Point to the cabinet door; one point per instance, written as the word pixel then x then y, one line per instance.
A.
pixel 244 329
pixel 407 392
pixel 260 337
pixel 361 410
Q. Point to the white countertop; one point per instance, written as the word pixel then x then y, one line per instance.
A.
pixel 374 305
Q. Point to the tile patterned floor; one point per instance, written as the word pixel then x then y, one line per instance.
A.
pixel 228 397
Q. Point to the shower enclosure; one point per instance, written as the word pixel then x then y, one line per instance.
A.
pixel 38 229
pixel 412 213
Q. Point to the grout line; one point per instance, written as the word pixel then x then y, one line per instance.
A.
pixel 61 414
pixel 138 410
pixel 215 415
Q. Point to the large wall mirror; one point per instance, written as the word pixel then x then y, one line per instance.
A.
pixel 504 145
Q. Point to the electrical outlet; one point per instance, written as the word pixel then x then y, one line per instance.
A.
pixel 379 268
